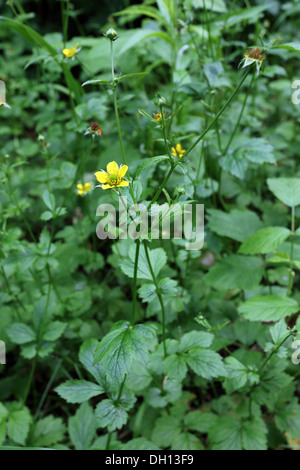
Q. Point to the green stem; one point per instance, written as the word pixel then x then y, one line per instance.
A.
pixel 165 135
pixel 117 116
pixel 263 366
pixel 200 137
pixel 291 273
pixel 240 116
pixel 158 296
pixel 134 293
pixel 217 116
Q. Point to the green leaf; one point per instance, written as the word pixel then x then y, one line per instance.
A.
pixel 109 414
pixel 54 330
pixel 291 46
pixel 49 200
pixel 78 391
pixel 195 339
pixel 286 189
pixel 142 10
pixel 237 372
pixel 201 422
pixel 82 427
pixel 206 363
pixel 86 357
pixel 158 259
pixel 166 430
pixel 264 241
pixel 139 443
pixel 96 82
pixel 132 75
pixel 175 367
pixel 18 425
pixel 229 433
pixel 143 113
pixel 47 431
pixel 235 272
pixel 237 224
pixel 257 151
pixel 148 163
pixel 19 333
pixel 268 308
pixel 212 5
pixel 118 348
pixel 166 286
pixel 235 164
pixel 187 441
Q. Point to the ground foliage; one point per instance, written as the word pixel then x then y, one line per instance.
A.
pixel 117 344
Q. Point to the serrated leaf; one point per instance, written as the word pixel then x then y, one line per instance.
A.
pixel 78 391
pixel 264 241
pixel 149 163
pixel 206 363
pixel 237 224
pixel 286 189
pixel 18 425
pixel 118 348
pixel 235 272
pixel 54 330
pixel 47 431
pixel 86 357
pixel 109 414
pixel 19 333
pixel 82 427
pixel 158 259
pixel 268 308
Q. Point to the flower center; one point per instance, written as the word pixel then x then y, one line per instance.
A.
pixel 114 180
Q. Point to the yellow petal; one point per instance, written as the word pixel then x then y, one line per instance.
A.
pixel 80 186
pixel 174 151
pixel 106 186
pixel 80 192
pixel 123 183
pixel 70 52
pixel 178 148
pixel 112 168
pixel 101 176
pixel 87 186
pixel 122 171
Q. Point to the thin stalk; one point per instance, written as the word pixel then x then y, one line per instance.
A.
pixel 165 135
pixel 134 294
pixel 240 116
pixel 117 116
pixel 158 296
pixel 291 273
pixel 201 136
pixel 263 366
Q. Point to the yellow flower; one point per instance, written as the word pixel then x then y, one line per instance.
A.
pixel 178 151
pixel 113 177
pixel 71 52
pixel 84 188
pixel 157 116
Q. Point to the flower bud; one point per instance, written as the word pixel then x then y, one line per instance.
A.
pixel 111 34
pixel 160 101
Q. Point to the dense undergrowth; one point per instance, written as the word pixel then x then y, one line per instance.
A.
pixel 124 344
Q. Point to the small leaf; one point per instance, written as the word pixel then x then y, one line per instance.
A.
pixel 148 164
pixel 78 391
pixel 264 241
pixel 268 308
